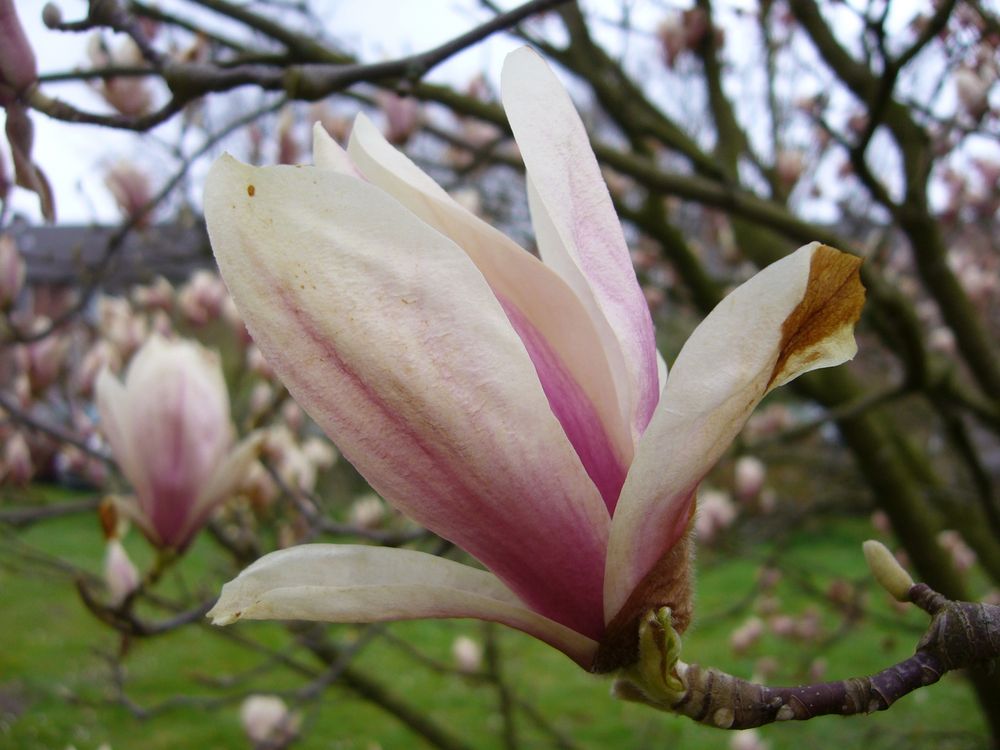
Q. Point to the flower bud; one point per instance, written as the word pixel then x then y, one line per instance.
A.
pixel 887 571
pixel 18 467
pixel 467 654
pixel 12 271
pixel 120 574
pixel 18 69
pixel 267 721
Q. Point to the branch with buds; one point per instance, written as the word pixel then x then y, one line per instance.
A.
pixel 960 635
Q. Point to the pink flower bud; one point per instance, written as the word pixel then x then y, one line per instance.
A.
pixel 402 117
pixel 747 739
pixel 748 480
pixel 156 296
pixel 102 355
pixel 716 512
pixel 170 433
pixel 972 91
pixel 17 465
pixel 260 398
pixel 131 95
pixel 201 299
pixel 671 36
pixel 746 635
pixel 268 722
pixel 789 165
pixel 467 655
pixel 368 511
pixel 131 191
pixel 12 270
pixel 962 555
pixel 782 626
pixel 18 69
pixel 120 574
pixel 42 361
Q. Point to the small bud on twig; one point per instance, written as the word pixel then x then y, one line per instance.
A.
pixel 887 571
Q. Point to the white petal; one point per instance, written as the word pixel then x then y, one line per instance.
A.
pixel 354 583
pixel 576 226
pixel 796 315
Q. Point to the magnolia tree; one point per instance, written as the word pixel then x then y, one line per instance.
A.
pixel 554 413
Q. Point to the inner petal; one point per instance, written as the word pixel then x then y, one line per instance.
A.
pixel 575 412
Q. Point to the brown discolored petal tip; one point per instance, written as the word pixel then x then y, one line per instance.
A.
pixel 823 322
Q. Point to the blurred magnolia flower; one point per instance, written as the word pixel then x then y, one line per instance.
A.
pixel 170 433
pixel 367 512
pixel 510 404
pixel 268 722
pixel 18 467
pixel 202 298
pixel 18 69
pixel 748 479
pixel 129 95
pixel 131 190
pixel 962 555
pixel 159 295
pixel 18 73
pixel 746 635
pixel 973 90
pixel 672 38
pixel 716 512
pixel 296 469
pixel 42 360
pixel 12 271
pixel 402 116
pixel 120 574
pixel 120 324
pixel 747 739
pixel 788 166
pixel 467 654
pixel 102 355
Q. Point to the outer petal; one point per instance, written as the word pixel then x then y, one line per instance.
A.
pixel 177 397
pixel 576 226
pixel 386 333
pixel 112 404
pixel 794 316
pixel 544 311
pixel 353 583
pixel 223 482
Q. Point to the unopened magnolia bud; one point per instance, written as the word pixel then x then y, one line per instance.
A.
pixel 120 574
pixel 747 739
pixel 266 719
pixel 887 571
pixel 17 460
pixel 12 270
pixel 749 475
pixel 468 654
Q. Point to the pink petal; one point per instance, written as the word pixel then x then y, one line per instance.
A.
pixel 390 338
pixel 755 340
pixel 352 583
pixel 544 311
pixel 576 226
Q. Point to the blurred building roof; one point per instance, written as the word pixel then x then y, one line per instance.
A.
pixel 70 255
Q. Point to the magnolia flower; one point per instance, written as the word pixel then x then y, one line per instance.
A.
pixel 510 404
pixel 120 573
pixel 170 432
pixel 12 272
pixel 18 68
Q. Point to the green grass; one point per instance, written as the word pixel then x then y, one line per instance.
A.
pixel 56 688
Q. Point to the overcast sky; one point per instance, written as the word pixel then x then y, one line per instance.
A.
pixel 75 157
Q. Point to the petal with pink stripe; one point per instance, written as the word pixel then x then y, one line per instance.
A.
pixel 390 338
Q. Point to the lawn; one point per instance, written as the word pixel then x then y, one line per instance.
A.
pixel 57 684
